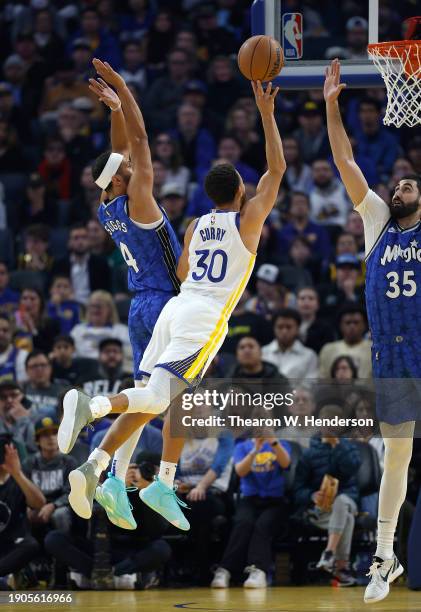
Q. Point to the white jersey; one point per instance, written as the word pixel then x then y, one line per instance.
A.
pixel 219 263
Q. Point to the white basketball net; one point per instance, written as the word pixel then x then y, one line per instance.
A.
pixel 400 66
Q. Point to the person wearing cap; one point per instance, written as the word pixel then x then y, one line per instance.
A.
pixel 173 201
pixel 292 358
pixel 353 327
pixel 344 287
pixel 271 295
pixel 12 359
pixel 356 38
pixel 311 136
pixel 17 495
pixel 48 469
pixel 37 206
pixel 329 203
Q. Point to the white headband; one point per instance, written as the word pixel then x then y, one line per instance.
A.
pixel 109 170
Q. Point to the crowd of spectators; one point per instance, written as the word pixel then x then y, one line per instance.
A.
pixel 64 299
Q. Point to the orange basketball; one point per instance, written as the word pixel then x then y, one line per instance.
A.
pixel 260 58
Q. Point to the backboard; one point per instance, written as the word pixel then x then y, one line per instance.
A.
pixel 312 37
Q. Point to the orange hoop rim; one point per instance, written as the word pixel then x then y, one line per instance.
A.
pixel 382 48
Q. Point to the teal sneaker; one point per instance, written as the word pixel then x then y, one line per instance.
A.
pixel 112 496
pixel 163 500
pixel 83 483
pixel 76 415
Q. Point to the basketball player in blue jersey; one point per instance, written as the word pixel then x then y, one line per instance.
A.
pixel 393 296
pixel 215 266
pixel 150 248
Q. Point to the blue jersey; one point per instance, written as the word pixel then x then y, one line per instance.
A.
pixel 393 282
pixel 150 254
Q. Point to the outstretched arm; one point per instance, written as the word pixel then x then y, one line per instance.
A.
pixel 183 262
pixel 142 204
pixel 343 156
pixel 259 207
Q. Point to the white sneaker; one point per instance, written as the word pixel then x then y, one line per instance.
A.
pixel 381 573
pixel 257 578
pixel 80 580
pixel 126 582
pixel 221 579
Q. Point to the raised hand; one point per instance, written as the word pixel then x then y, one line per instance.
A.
pixel 108 74
pixel 11 463
pixel 105 93
pixel 332 87
pixel 265 99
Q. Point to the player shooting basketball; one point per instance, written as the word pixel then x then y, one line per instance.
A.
pixel 393 254
pixel 214 267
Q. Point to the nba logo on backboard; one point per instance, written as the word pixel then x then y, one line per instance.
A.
pixel 292 35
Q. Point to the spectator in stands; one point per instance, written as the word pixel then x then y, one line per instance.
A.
pixel 271 295
pixel 15 415
pixel 38 207
pixel 71 127
pixel 204 471
pixel 261 511
pixel 344 288
pixel 102 322
pixel 196 143
pixel 11 156
pixel 357 38
pixel 249 362
pixel 299 224
pixel 142 551
pixel 106 378
pixel 34 329
pixel 48 41
pixel 374 140
pixel 61 306
pixel 134 68
pixel 160 39
pixel 173 200
pixel 224 89
pixel 49 469
pixel 35 256
pixel 329 204
pixel 343 369
pixel 9 299
pixel 314 331
pixel 12 359
pixel 304 405
pixel 353 326
pixel 298 174
pixel 346 244
pixel 245 323
pixel 36 70
pixel 165 93
pixel 211 38
pixel 290 356
pixel 242 125
pixel 301 266
pixel 166 149
pixel 39 389
pixel 159 177
pixel 87 272
pixel 230 149
pixel 14 73
pixel 136 24
pixel 56 169
pixel 196 94
pixel 17 493
pixel 103 43
pixel 414 153
pixel 68 369
pixel 66 88
pixel 355 226
pixel 12 113
pixel 339 458
pixel 311 136
pixel 81 55
pixel 84 204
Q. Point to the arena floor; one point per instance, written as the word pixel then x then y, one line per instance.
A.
pixel 279 599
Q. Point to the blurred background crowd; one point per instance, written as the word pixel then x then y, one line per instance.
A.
pixel 64 299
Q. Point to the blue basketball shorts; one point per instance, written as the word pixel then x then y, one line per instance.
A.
pixel 145 309
pixel 397 373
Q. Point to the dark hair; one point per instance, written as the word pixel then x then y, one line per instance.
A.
pixel 349 361
pixel 77 226
pixel 38 231
pixel 413 177
pixel 40 295
pixel 287 313
pixel 108 341
pixel 351 309
pixel 34 354
pixel 221 183
pixel 4 317
pixel 64 338
pixel 370 102
pixel 303 194
pixel 250 336
pixel 231 136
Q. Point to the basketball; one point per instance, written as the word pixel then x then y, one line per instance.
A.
pixel 260 58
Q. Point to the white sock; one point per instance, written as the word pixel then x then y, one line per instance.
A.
pixel 385 535
pixel 102 459
pixel 167 473
pixel 100 406
pixel 123 455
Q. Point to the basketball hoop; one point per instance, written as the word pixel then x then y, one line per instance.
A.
pixel 399 63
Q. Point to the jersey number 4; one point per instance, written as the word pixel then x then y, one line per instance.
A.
pixel 128 257
pixel 409 286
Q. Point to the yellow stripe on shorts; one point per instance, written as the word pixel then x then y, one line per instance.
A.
pixel 215 337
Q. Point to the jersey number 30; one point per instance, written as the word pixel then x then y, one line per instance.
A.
pixel 128 257
pixel 409 285
pixel 214 267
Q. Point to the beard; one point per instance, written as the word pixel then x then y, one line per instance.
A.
pixel 401 210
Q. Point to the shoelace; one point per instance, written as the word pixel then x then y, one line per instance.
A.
pixel 173 493
pixel 374 570
pixel 128 489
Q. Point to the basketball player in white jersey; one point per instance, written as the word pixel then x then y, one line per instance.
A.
pixel 214 267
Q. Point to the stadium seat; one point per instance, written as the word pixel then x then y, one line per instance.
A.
pixel 58 242
pixel 7 251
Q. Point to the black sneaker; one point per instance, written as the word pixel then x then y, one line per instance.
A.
pixel 326 561
pixel 344 578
